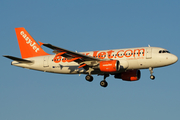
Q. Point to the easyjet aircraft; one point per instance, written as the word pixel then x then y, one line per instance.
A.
pixel 122 63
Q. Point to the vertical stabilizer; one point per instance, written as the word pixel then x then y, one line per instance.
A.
pixel 28 46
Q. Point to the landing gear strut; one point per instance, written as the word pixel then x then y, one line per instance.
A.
pixel 103 83
pixel 89 77
pixel 151 71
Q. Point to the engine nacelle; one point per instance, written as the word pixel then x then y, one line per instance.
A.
pixel 109 66
pixel 130 75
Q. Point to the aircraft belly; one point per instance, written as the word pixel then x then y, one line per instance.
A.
pixel 144 63
pixel 133 64
pixel 66 68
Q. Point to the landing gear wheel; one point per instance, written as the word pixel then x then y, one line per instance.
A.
pixel 89 78
pixel 152 77
pixel 103 83
pixel 151 71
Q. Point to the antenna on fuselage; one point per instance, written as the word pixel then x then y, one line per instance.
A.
pixel 149 45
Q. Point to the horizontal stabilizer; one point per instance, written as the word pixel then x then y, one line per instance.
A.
pixel 17 59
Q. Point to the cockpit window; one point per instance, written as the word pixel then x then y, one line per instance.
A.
pixel 164 51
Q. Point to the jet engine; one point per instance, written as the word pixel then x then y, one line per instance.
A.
pixel 130 75
pixel 109 66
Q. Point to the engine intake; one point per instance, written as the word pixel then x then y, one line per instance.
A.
pixel 109 66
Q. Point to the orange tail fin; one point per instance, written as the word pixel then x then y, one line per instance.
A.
pixel 28 46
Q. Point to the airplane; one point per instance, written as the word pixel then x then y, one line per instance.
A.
pixel 124 64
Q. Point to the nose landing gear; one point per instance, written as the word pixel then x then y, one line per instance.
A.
pixel 152 77
pixel 151 71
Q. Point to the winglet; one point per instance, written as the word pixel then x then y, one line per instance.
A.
pixel 40 43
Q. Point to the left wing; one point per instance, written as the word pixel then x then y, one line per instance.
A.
pixel 73 56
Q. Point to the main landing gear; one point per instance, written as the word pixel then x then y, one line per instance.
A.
pixel 103 83
pixel 151 71
pixel 89 78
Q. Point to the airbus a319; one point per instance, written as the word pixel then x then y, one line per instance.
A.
pixel 124 64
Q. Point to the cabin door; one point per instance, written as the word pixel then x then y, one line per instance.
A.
pixel 149 53
pixel 45 61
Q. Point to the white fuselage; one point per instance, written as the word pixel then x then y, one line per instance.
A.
pixel 132 58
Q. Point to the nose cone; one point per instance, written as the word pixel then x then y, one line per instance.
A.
pixel 173 59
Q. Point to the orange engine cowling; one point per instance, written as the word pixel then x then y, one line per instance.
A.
pixel 130 75
pixel 109 66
